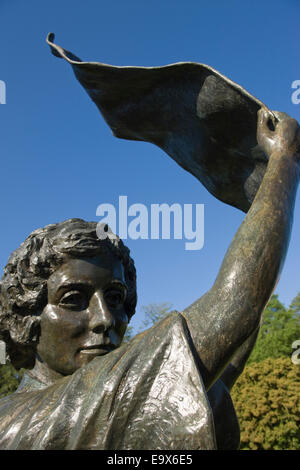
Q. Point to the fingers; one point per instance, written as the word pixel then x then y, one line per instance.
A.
pixel 265 134
pixel 287 126
pixel 281 116
pixel 284 118
pixel 264 119
pixel 282 135
pixel 269 122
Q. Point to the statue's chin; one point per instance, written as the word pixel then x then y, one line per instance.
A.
pixel 54 366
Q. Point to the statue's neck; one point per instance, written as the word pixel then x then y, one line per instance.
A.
pixel 43 373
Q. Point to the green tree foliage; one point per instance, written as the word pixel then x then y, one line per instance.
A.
pixel 295 305
pixel 267 394
pixel 267 401
pixel 152 314
pixel 129 334
pixel 280 327
pixel 9 379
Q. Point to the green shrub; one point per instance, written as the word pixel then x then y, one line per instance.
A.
pixel 267 401
pixel 9 379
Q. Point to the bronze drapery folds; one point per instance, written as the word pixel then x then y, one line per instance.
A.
pixel 199 117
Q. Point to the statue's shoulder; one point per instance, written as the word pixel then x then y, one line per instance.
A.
pixel 12 407
pixel 173 317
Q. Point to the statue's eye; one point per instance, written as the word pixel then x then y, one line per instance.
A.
pixel 115 297
pixel 74 300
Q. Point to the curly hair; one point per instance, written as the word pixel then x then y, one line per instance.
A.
pixel 23 293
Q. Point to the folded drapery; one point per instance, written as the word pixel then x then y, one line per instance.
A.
pixel 147 394
pixel 203 120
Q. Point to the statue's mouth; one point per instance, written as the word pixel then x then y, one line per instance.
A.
pixel 97 349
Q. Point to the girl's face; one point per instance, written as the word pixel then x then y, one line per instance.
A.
pixel 85 315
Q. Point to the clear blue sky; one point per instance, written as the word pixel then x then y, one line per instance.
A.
pixel 59 159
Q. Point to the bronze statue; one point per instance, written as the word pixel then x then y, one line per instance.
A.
pixel 67 296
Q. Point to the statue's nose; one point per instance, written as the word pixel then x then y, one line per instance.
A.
pixel 101 316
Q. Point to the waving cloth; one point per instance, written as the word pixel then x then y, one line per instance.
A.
pixel 148 394
pixel 203 120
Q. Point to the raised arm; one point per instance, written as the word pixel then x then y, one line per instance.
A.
pixel 227 315
pixel 238 362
